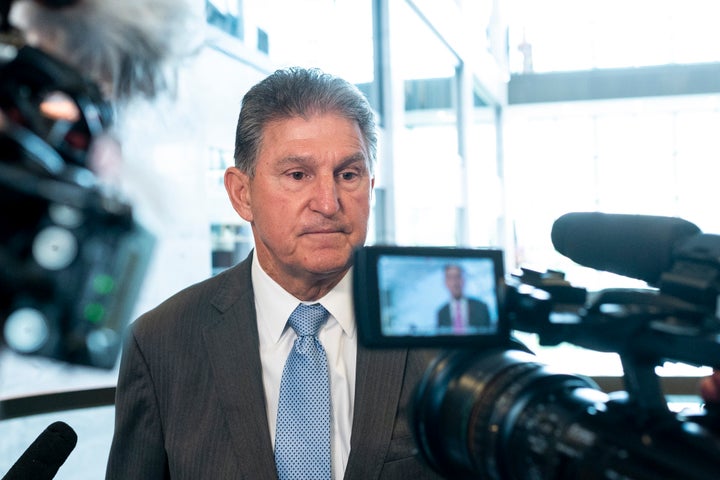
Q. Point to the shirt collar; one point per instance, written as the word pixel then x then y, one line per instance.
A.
pixel 274 304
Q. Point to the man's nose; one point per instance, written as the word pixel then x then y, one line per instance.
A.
pixel 325 195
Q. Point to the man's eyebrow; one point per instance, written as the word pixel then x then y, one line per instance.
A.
pixel 357 157
pixel 294 159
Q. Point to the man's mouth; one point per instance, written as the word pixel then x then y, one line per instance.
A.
pixel 325 230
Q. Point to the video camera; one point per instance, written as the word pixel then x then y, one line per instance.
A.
pixel 486 408
pixel 72 257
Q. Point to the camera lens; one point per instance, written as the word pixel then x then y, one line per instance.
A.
pixel 500 415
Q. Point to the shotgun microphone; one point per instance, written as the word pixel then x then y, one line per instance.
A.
pixel 636 246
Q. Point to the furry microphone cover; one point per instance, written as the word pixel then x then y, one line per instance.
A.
pixel 127 47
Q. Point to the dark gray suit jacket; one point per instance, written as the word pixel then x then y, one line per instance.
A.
pixel 190 402
pixel 478 314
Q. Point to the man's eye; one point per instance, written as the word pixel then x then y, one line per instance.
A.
pixel 297 175
pixel 349 175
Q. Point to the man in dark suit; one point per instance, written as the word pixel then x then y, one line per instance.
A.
pixel 461 312
pixel 199 383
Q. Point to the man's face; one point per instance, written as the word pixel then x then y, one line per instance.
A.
pixel 309 200
pixel 454 281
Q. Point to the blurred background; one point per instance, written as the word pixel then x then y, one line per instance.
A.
pixel 497 116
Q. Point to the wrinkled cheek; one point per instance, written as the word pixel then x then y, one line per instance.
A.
pixel 363 230
pixel 275 235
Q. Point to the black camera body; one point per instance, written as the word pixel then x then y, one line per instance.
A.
pixel 72 256
pixel 486 408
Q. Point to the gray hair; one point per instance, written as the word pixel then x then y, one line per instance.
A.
pixel 299 92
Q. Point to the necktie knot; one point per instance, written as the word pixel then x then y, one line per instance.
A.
pixel 307 319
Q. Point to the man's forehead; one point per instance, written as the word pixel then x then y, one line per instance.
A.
pixel 302 140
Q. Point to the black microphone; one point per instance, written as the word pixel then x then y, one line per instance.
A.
pixel 636 246
pixel 45 455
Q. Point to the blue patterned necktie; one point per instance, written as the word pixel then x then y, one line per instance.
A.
pixel 302 436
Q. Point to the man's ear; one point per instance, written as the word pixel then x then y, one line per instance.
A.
pixel 237 185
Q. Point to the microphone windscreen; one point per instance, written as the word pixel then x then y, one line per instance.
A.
pixel 636 246
pixel 128 48
pixel 45 455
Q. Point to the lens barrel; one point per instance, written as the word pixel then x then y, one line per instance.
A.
pixel 497 414
pixel 501 415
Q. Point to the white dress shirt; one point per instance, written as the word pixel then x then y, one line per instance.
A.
pixel 274 306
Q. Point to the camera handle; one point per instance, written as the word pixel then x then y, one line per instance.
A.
pixel 643 385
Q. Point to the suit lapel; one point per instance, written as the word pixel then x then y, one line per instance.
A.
pixel 231 342
pixel 379 381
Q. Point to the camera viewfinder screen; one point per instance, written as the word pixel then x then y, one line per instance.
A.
pixel 426 296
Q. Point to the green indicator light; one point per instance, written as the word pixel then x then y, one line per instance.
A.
pixel 103 284
pixel 94 312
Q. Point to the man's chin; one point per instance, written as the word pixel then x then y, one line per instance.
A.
pixel 327 267
pixel 328 261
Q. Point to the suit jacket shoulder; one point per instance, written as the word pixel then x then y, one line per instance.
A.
pixel 478 313
pixel 190 401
